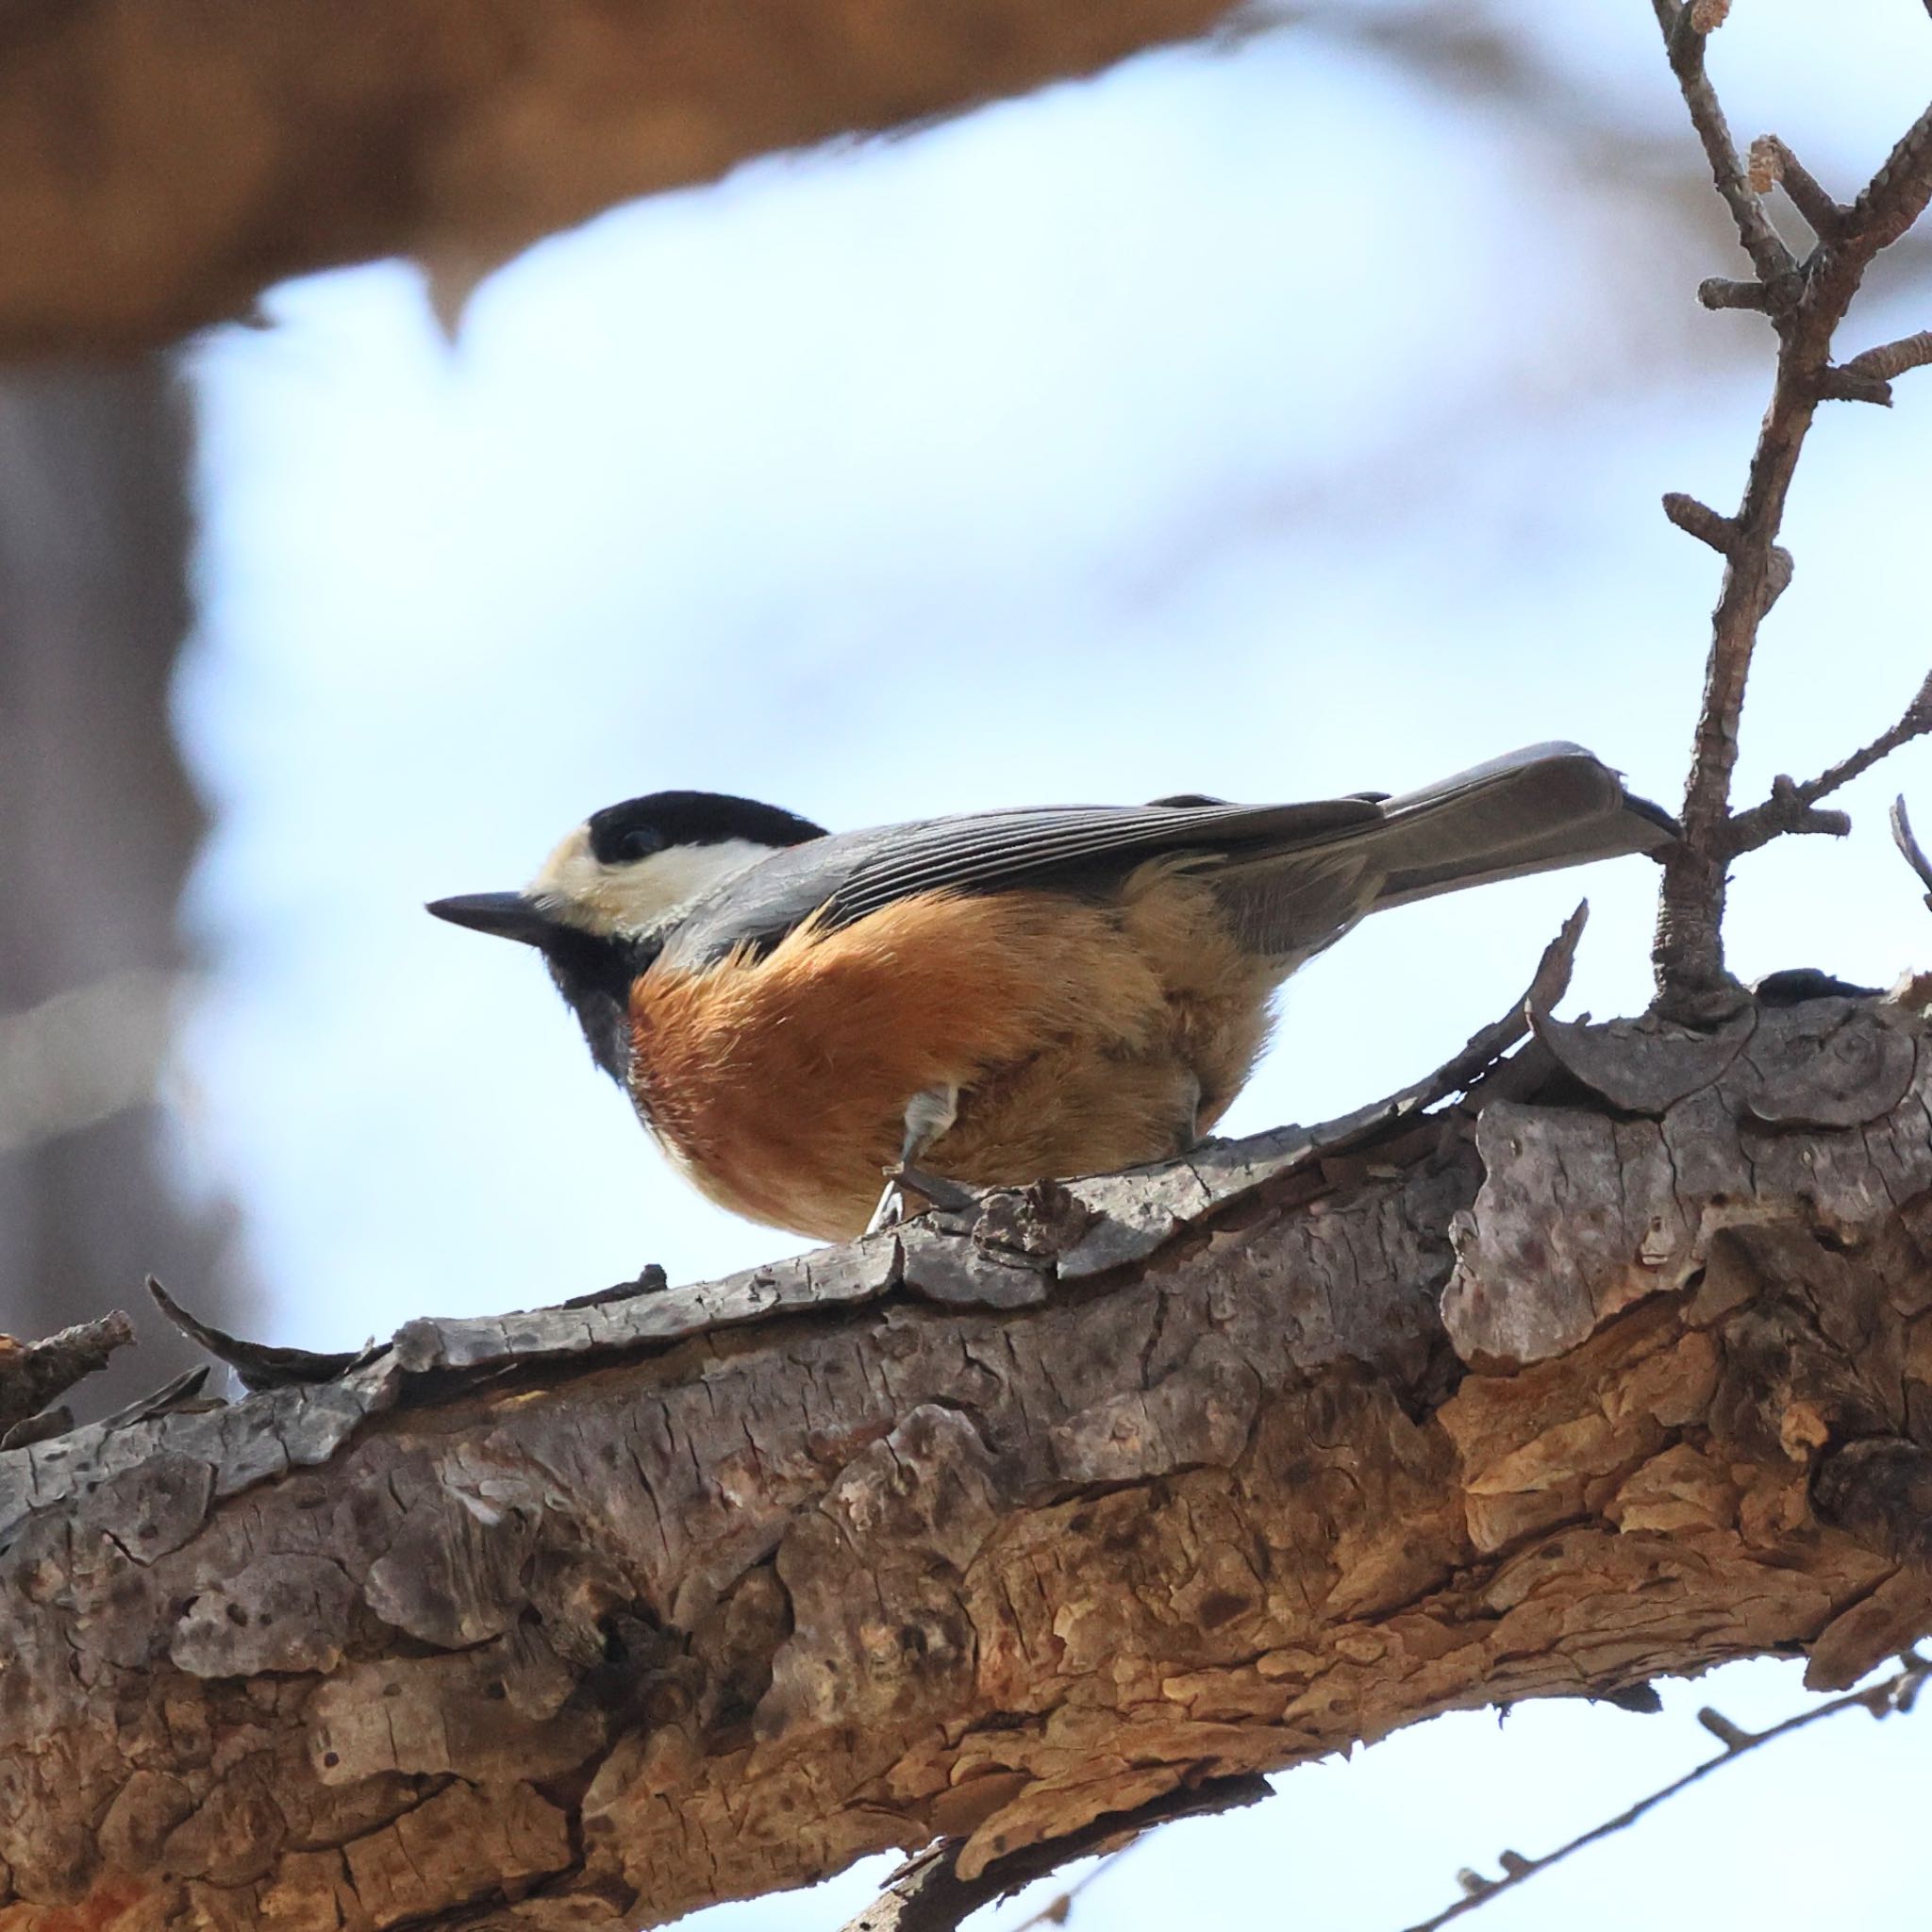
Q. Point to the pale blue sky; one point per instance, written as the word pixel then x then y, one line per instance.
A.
pixel 1255 419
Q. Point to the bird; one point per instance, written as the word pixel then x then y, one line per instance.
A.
pixel 812 1022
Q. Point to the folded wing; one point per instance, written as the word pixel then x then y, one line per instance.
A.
pixel 1293 877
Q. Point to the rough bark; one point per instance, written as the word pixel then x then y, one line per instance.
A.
pixel 995 1528
pixel 160 165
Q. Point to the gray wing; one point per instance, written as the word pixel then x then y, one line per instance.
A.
pixel 1293 877
pixel 1081 849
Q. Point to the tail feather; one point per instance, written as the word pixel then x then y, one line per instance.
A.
pixel 1537 809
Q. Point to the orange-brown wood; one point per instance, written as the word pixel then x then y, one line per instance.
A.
pixel 1081 1038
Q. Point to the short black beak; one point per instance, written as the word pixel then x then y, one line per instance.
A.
pixel 508 915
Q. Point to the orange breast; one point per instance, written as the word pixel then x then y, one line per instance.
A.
pixel 1078 1036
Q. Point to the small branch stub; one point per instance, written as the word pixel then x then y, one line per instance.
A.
pixel 1845 384
pixel 1721 291
pixel 1772 163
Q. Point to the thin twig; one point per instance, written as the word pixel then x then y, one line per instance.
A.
pixel 1057 1909
pixel 1789 807
pixel 1772 161
pixel 1896 1694
pixel 1806 304
pixel 1893 358
pixel 1685 30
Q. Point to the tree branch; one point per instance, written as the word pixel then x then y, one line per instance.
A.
pixel 1897 1693
pixel 1805 301
pixel 1791 807
pixel 33 1373
pixel 1004 1529
pixel 1772 161
pixel 1685 28
pixel 1893 358
pixel 156 181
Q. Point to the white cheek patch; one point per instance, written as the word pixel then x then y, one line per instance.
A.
pixel 650 890
pixel 643 895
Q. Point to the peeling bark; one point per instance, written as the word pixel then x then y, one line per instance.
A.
pixel 999 1528
pixel 160 167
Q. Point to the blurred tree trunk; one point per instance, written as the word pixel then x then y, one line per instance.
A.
pixel 99 822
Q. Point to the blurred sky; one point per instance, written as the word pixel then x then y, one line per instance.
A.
pixel 1269 419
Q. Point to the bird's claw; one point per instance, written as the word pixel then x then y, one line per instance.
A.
pixel 949 1198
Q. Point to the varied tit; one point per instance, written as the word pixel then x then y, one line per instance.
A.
pixel 995 997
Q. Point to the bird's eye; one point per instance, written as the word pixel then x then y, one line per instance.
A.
pixel 639 843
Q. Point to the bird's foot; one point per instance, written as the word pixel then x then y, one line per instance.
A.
pixel 890 1211
pixel 949 1198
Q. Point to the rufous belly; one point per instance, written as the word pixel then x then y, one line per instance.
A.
pixel 1080 1038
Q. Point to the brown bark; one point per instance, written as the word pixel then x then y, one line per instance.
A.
pixel 161 165
pixel 994 1529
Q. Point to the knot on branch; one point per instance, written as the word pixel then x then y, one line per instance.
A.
pixel 1727 537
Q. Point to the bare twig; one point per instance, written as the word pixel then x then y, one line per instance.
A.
pixel 1772 161
pixel 1686 29
pixel 1056 1910
pixel 1902 834
pixel 1805 303
pixel 1721 532
pixel 1895 1693
pixel 1893 358
pixel 1789 807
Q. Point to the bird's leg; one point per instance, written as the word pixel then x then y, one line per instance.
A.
pixel 928 1114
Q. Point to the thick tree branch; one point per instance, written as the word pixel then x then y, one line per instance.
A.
pixel 1805 301
pixel 155 177
pixel 1008 1529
